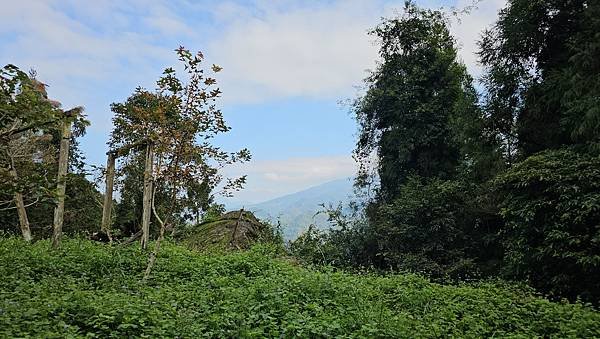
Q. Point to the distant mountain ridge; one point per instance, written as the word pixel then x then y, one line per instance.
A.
pixel 297 211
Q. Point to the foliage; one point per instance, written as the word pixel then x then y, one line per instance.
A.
pixel 92 290
pixel 418 102
pixel 24 105
pixel 128 210
pixel 27 119
pixel 30 135
pixel 551 205
pixel 436 227
pixel 180 118
pixel 581 95
pixel 434 154
pixel 541 84
pixel 440 228
pixel 349 242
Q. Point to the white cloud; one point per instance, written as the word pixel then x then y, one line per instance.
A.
pixel 269 51
pixel 75 56
pixel 316 51
pixel 268 179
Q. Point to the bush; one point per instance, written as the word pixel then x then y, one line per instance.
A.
pixel 551 206
pixel 444 229
pixel 87 289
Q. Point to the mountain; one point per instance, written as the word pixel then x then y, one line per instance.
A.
pixel 297 210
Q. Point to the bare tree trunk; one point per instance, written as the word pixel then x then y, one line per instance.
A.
pixel 23 220
pixel 107 206
pixel 148 192
pixel 63 163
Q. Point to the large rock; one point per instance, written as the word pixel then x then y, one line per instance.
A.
pixel 233 230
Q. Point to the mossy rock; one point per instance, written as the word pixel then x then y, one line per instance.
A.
pixel 232 230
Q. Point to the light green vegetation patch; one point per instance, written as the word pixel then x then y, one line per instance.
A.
pixel 90 289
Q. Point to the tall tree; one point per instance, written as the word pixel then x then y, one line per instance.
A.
pixel 421 122
pixel 179 120
pixel 542 102
pixel 411 114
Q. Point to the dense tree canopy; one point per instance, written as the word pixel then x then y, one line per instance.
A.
pixel 551 205
pixel 418 101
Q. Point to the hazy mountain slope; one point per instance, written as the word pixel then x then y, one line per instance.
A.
pixel 297 210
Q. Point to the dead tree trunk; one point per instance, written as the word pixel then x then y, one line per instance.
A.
pixel 63 163
pixel 107 206
pixel 23 220
pixel 147 199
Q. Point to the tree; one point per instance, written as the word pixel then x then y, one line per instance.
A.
pixel 30 136
pixel 177 122
pixel 421 121
pixel 26 116
pixel 542 99
pixel 416 104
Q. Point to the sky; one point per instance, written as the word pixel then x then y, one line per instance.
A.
pixel 290 68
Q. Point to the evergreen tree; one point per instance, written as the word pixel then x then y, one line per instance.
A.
pixel 419 101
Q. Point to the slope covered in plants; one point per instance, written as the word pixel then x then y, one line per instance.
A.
pixel 89 289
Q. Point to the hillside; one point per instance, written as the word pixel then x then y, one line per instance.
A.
pixel 88 289
pixel 297 210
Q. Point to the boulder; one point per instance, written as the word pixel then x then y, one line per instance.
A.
pixel 232 230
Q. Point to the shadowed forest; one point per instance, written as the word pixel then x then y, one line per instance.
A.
pixel 476 208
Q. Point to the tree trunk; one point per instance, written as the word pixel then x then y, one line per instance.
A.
pixel 63 164
pixel 23 220
pixel 107 206
pixel 147 199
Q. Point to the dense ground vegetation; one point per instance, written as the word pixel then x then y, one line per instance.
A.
pixel 87 289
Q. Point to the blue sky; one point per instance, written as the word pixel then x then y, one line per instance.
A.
pixel 287 66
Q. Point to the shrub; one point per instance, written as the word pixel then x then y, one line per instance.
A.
pixel 551 206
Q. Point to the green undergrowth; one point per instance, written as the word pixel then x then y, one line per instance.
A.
pixel 90 289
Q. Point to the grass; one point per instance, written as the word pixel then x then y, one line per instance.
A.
pixel 93 290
